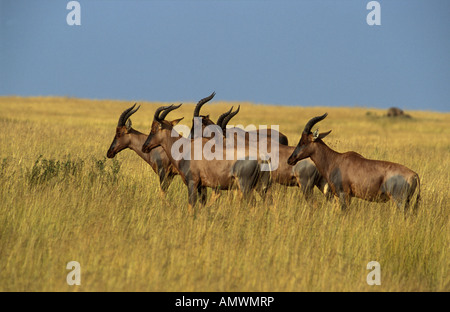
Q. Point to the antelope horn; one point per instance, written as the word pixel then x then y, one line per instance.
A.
pixel 228 118
pixel 201 103
pixel 158 111
pixel 169 109
pixel 312 122
pixel 165 110
pixel 127 114
pixel 221 117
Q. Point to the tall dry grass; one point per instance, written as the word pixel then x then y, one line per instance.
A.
pixel 62 200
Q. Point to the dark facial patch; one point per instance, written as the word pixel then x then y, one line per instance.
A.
pixel 119 133
pixel 296 155
pixel 110 153
pixel 294 158
pixel 147 142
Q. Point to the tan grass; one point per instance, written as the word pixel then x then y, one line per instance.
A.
pixel 126 238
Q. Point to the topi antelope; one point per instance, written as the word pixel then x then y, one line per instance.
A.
pixel 270 134
pixel 200 174
pixel 205 121
pixel 351 175
pixel 303 174
pixel 127 137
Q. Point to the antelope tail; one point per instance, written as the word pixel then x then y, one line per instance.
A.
pixel 416 204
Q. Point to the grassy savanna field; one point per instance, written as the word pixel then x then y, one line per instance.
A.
pixel 61 200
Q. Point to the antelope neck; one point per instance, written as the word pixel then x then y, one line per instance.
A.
pixel 323 157
pixel 137 140
pixel 167 144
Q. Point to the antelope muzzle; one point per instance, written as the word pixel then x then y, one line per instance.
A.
pixel 147 147
pixel 111 153
pixel 296 155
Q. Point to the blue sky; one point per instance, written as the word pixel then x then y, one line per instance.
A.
pixel 304 53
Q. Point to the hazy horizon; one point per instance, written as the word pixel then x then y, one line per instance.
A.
pixel 290 53
pixel 213 102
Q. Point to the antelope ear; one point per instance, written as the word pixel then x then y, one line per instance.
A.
pixel 321 135
pixel 176 121
pixel 128 124
pixel 315 134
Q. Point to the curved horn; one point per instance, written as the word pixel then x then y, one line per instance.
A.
pixel 169 109
pixel 126 114
pixel 159 110
pixel 312 122
pixel 201 103
pixel 228 118
pixel 221 117
pixel 165 110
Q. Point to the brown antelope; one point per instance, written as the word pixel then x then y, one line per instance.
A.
pixel 303 174
pixel 203 173
pixel 205 121
pixel 351 175
pixel 270 134
pixel 252 140
pixel 127 137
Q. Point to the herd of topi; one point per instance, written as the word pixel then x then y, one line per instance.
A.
pixel 309 164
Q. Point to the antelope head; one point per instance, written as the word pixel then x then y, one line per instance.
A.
pixel 122 139
pixel 308 141
pixel 161 128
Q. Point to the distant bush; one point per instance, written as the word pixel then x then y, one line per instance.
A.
pixel 3 165
pixel 45 170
